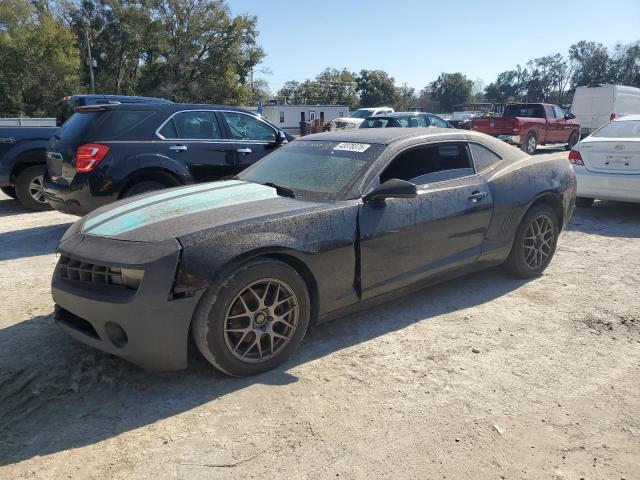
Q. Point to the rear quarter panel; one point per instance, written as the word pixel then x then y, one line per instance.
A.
pixel 518 185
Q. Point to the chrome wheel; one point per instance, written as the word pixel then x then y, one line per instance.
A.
pixel 36 190
pixel 531 145
pixel 538 242
pixel 261 320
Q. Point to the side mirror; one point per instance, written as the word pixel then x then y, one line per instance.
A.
pixel 393 188
pixel 281 137
pixel 569 116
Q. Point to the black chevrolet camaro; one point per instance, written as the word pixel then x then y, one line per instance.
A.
pixel 319 227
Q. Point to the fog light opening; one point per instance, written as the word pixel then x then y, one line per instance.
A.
pixel 116 334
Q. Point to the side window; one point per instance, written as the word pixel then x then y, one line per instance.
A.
pixel 196 125
pixel 432 164
pixel 559 112
pixel 550 112
pixel 418 121
pixel 438 122
pixel 483 158
pixel 245 127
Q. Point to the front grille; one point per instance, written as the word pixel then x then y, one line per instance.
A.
pixel 78 271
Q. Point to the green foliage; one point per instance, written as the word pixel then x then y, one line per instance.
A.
pixel 39 61
pixel 376 88
pixel 592 65
pixel 331 87
pixel 451 89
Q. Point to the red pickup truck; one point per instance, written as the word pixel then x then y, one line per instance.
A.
pixel 531 124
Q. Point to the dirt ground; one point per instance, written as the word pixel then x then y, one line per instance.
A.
pixel 481 377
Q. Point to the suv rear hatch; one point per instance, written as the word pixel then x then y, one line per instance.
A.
pixel 61 151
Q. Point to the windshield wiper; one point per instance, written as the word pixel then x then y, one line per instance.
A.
pixel 282 191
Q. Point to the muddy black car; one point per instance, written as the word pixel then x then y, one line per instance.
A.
pixel 321 226
pixel 108 152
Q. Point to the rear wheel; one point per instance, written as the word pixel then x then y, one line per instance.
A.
pixel 573 139
pixel 584 202
pixel 531 144
pixel 143 187
pixel 9 191
pixel 253 320
pixel 534 243
pixel 29 188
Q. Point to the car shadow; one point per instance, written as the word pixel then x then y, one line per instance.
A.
pixel 607 219
pixel 31 242
pixel 84 396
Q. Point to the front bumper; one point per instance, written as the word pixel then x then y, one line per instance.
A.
pixel 155 325
pixel 76 198
pixel 511 139
pixel 607 186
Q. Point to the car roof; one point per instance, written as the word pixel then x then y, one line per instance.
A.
pixel 400 114
pixel 171 107
pixel 627 117
pixel 383 136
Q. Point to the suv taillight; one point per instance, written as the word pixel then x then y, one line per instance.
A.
pixel 575 158
pixel 88 156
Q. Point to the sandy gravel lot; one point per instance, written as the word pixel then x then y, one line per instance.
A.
pixel 398 392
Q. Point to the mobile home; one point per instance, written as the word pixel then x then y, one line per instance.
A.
pixel 288 117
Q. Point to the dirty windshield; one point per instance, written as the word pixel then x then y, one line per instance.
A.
pixel 314 169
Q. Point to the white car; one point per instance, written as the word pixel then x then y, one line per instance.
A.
pixel 356 118
pixel 607 163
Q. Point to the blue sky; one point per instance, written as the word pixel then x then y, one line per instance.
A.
pixel 416 40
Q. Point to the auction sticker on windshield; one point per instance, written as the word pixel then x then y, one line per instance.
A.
pixel 352 147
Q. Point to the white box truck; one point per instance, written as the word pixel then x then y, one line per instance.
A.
pixel 595 106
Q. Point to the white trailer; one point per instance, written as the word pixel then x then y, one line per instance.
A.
pixel 288 117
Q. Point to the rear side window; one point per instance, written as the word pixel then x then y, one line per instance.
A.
pixel 75 129
pixel 117 122
pixel 483 158
pixel 438 122
pixel 431 164
pixel 196 125
pixel 413 122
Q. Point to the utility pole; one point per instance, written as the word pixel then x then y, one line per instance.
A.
pixel 404 98
pixel 93 82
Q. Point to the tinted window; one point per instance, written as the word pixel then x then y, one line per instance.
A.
pixel 619 129
pixel 196 125
pixel 77 126
pixel 438 122
pixel 483 158
pixel 245 127
pixel 430 164
pixel 169 130
pixel 314 169
pixel 115 123
pixel 413 121
pixel 534 111
pixel 374 122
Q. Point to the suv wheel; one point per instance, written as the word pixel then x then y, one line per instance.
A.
pixel 29 188
pixel 143 187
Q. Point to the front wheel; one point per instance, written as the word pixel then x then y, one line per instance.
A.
pixel 254 320
pixel 534 243
pixel 573 139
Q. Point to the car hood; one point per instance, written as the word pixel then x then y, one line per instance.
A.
pixel 183 211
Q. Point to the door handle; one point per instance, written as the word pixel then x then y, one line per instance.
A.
pixel 244 150
pixel 477 195
pixel 178 148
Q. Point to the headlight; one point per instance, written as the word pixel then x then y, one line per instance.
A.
pixel 131 278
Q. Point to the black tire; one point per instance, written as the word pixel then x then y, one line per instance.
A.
pixel 573 139
pixel 213 315
pixel 584 202
pixel 531 144
pixel 520 263
pixel 143 187
pixel 9 191
pixel 29 188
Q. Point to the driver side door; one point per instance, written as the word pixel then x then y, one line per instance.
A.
pixel 253 138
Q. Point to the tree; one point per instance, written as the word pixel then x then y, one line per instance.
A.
pixel 330 87
pixel 376 88
pixel 626 64
pixel 451 89
pixel 591 63
pixel 39 60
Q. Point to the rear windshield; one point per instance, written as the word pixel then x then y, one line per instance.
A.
pixel 533 111
pixel 75 129
pixel 620 129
